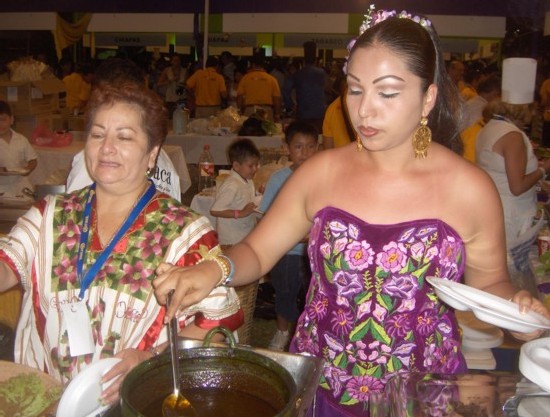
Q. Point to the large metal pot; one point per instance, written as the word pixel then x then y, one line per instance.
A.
pixel 231 379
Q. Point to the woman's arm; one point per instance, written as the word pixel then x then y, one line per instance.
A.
pixel 485 242
pixel 512 147
pixel 281 228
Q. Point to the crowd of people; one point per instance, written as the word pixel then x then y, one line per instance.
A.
pixel 389 201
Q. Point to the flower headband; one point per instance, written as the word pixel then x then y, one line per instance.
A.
pixel 374 17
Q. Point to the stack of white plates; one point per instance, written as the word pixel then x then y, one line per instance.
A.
pixel 488 307
pixel 477 340
pixel 534 362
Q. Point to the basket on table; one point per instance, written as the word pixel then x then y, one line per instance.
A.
pixel 247 297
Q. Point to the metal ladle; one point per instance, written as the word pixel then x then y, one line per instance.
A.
pixel 175 404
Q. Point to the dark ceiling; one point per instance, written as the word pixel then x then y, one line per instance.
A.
pixel 451 7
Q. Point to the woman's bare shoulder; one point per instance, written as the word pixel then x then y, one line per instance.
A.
pixel 470 189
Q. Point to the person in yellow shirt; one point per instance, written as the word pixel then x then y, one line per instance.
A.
pixel 208 87
pixel 78 85
pixel 258 89
pixel 337 131
pixel 469 137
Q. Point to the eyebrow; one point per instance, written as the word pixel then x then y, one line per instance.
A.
pixel 388 76
pixel 377 79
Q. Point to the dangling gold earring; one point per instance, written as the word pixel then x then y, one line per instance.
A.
pixel 359 144
pixel 421 139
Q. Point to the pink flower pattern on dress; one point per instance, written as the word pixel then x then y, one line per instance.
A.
pixel 69 234
pixel 129 268
pixel 136 276
pixel 370 301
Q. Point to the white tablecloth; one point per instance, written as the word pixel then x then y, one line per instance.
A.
pixel 193 145
pixel 201 204
pixel 52 159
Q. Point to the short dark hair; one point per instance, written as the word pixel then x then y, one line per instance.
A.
pixel 117 70
pixel 211 61
pixel 242 149
pixel 5 108
pixel 300 127
pixel 474 70
pixel 490 84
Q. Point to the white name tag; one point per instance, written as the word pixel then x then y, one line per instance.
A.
pixel 79 328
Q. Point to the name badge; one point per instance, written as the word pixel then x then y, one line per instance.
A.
pixel 79 328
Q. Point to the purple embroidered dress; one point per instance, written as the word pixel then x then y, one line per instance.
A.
pixel 370 313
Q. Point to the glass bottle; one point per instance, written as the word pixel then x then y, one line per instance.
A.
pixel 206 169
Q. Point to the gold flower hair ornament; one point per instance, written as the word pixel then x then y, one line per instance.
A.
pixel 374 17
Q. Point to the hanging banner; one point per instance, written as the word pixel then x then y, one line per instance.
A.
pixel 220 39
pixel 322 41
pixel 129 39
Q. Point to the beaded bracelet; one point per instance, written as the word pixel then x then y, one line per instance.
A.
pixel 226 265
pixel 230 266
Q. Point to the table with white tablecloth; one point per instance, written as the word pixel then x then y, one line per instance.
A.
pixel 52 159
pixel 193 145
pixel 202 203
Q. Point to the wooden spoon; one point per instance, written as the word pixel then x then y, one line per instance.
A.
pixel 175 404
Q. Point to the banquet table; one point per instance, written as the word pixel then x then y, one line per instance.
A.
pixel 51 159
pixel 201 203
pixel 193 145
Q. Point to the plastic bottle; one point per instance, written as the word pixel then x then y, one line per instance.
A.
pixel 206 169
pixel 178 120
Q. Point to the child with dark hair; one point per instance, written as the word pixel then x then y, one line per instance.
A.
pixel 290 273
pixel 234 204
pixel 16 155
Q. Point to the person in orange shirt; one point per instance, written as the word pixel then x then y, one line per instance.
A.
pixel 78 85
pixel 337 131
pixel 258 89
pixel 208 87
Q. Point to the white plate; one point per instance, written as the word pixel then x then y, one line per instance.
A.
pixel 477 334
pixel 445 294
pixel 82 396
pixel 533 406
pixel 488 307
pixel 534 362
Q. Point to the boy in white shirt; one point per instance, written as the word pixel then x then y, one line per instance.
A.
pixel 16 154
pixel 234 203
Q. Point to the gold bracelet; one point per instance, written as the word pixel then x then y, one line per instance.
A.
pixel 224 263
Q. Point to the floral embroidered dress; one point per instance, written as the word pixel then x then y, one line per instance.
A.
pixel 42 250
pixel 370 313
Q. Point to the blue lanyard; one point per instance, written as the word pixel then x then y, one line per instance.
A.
pixel 87 279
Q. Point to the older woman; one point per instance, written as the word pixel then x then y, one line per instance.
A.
pixel 86 259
